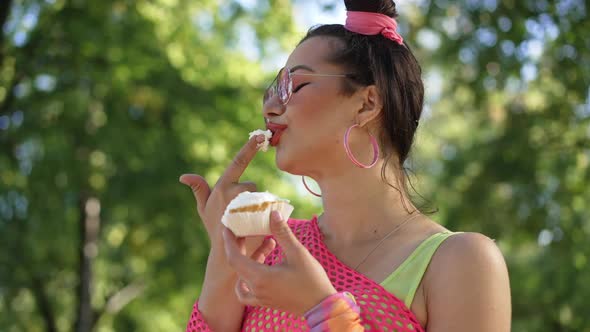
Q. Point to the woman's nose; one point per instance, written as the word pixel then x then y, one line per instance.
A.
pixel 272 108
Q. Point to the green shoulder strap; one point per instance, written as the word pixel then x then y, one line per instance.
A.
pixel 404 281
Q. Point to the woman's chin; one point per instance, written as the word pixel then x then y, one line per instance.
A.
pixel 296 161
pixel 282 163
pixel 285 162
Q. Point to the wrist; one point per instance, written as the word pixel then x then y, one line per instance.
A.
pixel 219 277
pixel 217 261
pixel 217 288
pixel 221 312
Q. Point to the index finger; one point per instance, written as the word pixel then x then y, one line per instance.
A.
pixel 241 160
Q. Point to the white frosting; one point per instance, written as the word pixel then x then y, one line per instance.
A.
pixel 267 135
pixel 247 198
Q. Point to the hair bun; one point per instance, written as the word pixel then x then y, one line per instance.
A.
pixel 385 7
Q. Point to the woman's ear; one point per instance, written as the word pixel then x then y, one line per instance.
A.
pixel 372 105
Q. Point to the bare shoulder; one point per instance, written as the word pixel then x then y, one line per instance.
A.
pixel 467 286
pixel 469 252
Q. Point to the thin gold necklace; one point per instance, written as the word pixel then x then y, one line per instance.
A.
pixel 399 226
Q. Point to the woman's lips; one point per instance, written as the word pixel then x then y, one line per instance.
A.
pixel 277 131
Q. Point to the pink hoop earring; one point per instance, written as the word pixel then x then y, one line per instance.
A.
pixel 306 187
pixel 349 152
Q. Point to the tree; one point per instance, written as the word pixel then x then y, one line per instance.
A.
pixel 102 107
pixel 507 141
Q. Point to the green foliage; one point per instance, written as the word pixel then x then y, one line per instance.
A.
pixel 104 105
pixel 507 141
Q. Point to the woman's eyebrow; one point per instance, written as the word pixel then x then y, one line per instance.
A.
pixel 304 67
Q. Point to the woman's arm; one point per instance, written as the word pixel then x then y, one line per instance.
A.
pixel 218 308
pixel 467 287
pixel 218 305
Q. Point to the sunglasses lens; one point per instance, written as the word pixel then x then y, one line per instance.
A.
pixel 268 94
pixel 284 85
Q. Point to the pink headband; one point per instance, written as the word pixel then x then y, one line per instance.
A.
pixel 367 23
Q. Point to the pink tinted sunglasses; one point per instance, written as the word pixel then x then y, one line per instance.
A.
pixel 283 83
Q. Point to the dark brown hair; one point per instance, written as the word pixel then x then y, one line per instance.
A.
pixel 392 68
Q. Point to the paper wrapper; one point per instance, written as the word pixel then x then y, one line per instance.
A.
pixel 255 223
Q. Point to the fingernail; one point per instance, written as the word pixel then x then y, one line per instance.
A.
pixel 181 180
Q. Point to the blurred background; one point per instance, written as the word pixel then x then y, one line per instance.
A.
pixel 103 104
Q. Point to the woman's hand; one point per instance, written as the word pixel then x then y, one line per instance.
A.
pixel 211 204
pixel 296 285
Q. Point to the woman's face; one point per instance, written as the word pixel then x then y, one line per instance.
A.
pixel 316 116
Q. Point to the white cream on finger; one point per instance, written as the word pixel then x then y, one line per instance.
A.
pixel 267 136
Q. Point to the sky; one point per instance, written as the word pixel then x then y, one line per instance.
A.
pixel 309 13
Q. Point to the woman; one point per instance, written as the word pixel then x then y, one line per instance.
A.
pixel 344 111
